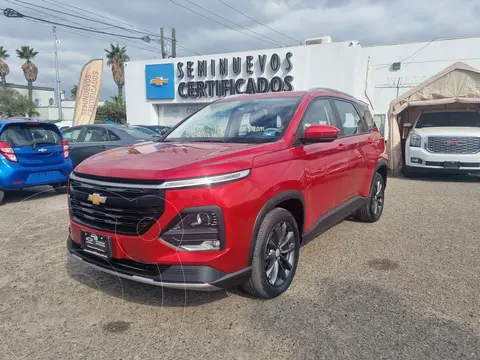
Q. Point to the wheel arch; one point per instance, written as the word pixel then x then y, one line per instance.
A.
pixel 291 200
pixel 382 169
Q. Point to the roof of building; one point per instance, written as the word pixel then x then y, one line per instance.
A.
pixel 18 86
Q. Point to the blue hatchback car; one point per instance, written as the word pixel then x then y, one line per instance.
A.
pixel 32 153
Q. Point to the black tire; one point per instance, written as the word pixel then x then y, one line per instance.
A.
pixel 60 188
pixel 271 227
pixel 408 172
pixel 2 195
pixel 370 213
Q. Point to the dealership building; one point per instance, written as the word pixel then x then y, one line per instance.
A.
pixel 164 91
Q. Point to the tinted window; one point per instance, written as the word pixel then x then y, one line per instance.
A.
pixel 349 118
pixel 96 134
pixel 30 135
pixel 72 134
pixel 113 137
pixel 442 119
pixel 319 112
pixel 136 133
pixel 252 120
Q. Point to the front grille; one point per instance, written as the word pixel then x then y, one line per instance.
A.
pixel 453 145
pixel 129 211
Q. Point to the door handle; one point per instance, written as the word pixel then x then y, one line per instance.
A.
pixel 369 140
pixel 341 147
pixel 103 146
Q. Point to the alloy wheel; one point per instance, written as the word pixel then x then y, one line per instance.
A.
pixel 377 198
pixel 280 254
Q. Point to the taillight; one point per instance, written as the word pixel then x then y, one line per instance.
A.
pixel 65 149
pixel 7 151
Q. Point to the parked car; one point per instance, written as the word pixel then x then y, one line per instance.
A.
pixel 32 153
pixel 160 129
pixel 88 140
pixel 230 194
pixel 444 141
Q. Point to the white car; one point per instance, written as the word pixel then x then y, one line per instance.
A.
pixel 444 141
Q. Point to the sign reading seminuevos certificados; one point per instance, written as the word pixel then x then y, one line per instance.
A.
pixel 88 92
pixel 272 66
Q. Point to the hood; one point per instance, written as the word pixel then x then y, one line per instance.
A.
pixel 447 131
pixel 163 160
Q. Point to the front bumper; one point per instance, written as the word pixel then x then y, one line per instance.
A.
pixel 186 277
pixel 419 158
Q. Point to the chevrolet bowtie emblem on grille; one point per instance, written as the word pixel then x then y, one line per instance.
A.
pixel 42 150
pixel 159 81
pixel 97 199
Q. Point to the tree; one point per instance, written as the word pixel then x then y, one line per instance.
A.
pixel 111 110
pixel 12 103
pixel 73 91
pixel 116 59
pixel 30 70
pixel 4 69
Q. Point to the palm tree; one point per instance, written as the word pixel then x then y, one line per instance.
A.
pixel 30 70
pixel 116 59
pixel 73 91
pixel 4 69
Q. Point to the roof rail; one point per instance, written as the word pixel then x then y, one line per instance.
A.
pixel 331 90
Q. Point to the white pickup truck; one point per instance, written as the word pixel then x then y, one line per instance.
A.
pixel 444 141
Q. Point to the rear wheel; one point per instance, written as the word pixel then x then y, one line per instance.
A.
pixel 60 188
pixel 275 255
pixel 373 209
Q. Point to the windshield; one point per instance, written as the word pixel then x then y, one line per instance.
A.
pixel 249 121
pixel 138 134
pixel 30 135
pixel 445 119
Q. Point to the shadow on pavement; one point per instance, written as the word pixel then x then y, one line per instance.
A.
pixel 138 292
pixel 34 193
pixel 443 177
pixel 358 320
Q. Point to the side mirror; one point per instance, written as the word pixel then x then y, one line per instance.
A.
pixel 320 133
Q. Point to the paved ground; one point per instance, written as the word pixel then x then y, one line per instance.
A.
pixel 405 288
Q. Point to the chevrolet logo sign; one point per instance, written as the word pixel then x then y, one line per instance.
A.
pixel 97 199
pixel 159 81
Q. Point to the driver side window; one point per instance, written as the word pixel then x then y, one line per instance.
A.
pixel 72 134
pixel 319 112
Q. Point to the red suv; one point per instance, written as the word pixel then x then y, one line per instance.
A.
pixel 228 196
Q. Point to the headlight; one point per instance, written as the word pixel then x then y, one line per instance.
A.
pixel 206 181
pixel 196 229
pixel 415 140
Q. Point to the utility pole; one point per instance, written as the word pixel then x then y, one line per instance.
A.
pixel 162 43
pixel 174 44
pixel 57 74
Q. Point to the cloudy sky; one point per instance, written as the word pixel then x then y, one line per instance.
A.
pixel 267 24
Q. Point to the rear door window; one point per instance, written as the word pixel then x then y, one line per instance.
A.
pixel 19 135
pixel 96 134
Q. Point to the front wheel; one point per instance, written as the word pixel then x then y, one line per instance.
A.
pixel 275 255
pixel 60 188
pixel 373 209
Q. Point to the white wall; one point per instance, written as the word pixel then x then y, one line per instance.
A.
pixel 419 60
pixel 337 65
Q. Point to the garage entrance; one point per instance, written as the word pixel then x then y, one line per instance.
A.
pixel 455 89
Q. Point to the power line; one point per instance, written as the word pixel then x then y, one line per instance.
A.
pixel 10 13
pixel 218 22
pixel 408 57
pixel 142 31
pixel 221 17
pixel 258 22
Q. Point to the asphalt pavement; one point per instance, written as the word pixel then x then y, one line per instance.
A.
pixel 406 287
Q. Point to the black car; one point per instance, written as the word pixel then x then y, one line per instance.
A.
pixel 160 129
pixel 88 140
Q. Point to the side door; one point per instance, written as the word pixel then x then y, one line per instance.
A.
pixel 95 141
pixel 75 136
pixel 326 164
pixel 355 136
